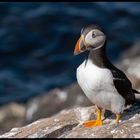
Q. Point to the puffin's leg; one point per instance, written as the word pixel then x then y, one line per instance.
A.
pixel 97 122
pixel 117 118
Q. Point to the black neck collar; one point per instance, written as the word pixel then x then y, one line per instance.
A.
pixel 99 58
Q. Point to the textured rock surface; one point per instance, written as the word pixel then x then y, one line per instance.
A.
pixel 16 115
pixel 68 124
pixel 58 99
pixel 11 115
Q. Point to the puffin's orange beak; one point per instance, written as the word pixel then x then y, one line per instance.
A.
pixel 77 49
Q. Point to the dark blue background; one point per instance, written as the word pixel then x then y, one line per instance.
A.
pixel 37 42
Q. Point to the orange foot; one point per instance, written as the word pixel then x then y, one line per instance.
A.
pixel 92 123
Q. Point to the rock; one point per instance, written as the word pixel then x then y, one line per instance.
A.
pixel 11 115
pixel 53 126
pixel 54 101
pixel 16 114
pixel 68 124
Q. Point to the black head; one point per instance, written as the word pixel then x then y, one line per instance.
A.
pixel 92 37
pixel 90 27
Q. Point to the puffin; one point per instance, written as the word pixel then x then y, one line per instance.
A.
pixel 105 85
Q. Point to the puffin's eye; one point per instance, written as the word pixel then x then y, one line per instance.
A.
pixel 93 34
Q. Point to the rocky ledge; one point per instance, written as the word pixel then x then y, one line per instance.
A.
pixel 68 124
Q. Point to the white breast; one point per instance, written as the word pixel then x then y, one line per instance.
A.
pixel 97 84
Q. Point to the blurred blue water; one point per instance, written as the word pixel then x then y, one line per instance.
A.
pixel 37 42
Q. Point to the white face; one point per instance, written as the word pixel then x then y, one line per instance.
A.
pixel 94 39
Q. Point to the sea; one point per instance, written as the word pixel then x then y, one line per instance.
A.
pixel 37 40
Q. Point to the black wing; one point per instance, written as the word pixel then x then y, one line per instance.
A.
pixel 123 86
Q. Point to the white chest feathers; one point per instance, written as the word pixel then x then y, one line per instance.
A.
pixel 97 84
pixel 91 77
